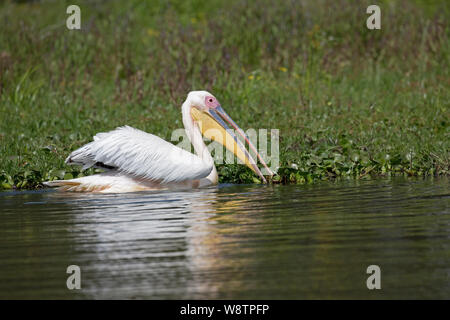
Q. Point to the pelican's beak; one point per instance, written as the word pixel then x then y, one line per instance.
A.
pixel 213 125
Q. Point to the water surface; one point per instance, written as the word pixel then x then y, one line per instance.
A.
pixel 230 242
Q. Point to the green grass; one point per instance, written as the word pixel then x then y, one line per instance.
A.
pixel 349 102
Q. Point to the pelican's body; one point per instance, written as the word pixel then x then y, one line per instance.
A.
pixel 137 161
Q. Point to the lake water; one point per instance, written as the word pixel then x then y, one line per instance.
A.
pixel 231 242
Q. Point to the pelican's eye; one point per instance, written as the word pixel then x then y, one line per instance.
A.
pixel 211 102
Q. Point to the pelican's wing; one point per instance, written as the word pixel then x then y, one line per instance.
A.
pixel 140 154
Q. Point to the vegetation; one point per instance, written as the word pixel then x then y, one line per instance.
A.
pixel 348 101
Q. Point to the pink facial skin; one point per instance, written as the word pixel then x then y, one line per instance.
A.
pixel 211 102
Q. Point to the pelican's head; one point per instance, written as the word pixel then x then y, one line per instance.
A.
pixel 215 124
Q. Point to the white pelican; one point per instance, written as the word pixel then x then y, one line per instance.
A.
pixel 135 160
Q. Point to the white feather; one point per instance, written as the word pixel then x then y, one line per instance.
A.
pixel 141 155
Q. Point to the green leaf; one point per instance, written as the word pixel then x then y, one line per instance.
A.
pixel 6 185
pixel 68 176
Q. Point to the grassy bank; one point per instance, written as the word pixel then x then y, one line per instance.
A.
pixel 348 101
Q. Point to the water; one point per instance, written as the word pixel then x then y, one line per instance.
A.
pixel 230 242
